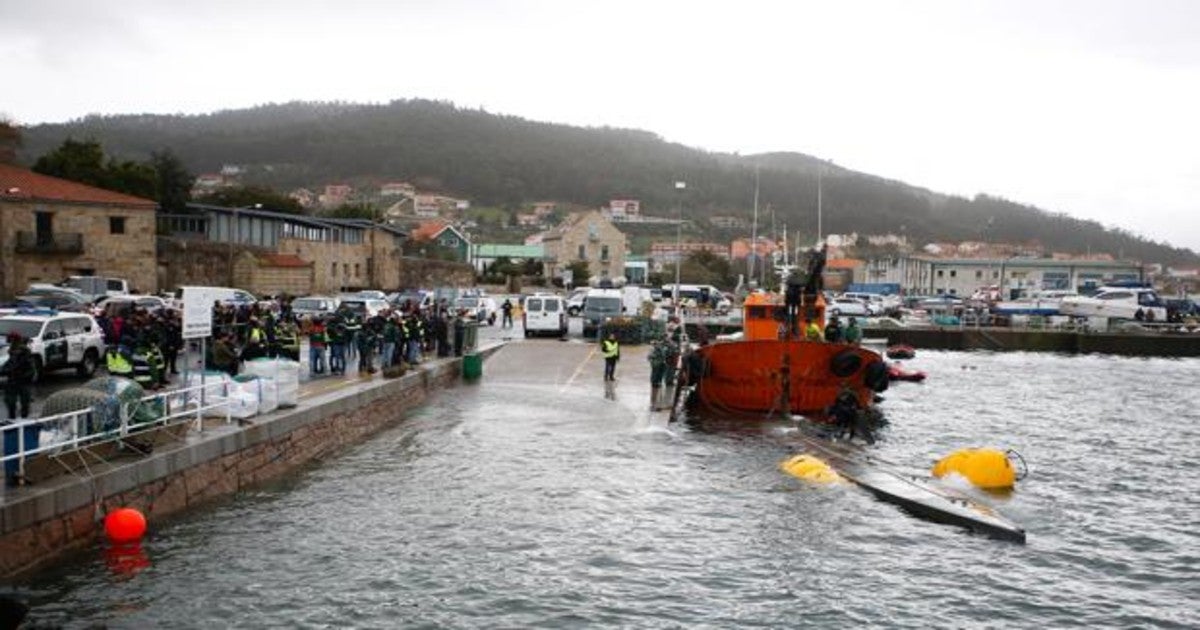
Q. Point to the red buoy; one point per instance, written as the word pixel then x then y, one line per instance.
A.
pixel 125 525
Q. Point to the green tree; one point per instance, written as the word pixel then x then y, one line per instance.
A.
pixel 251 196
pixel 173 188
pixel 132 178
pixel 579 273
pixel 77 160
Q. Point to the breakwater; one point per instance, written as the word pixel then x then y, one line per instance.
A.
pixel 1031 340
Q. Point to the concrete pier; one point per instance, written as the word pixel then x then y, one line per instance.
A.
pixel 40 523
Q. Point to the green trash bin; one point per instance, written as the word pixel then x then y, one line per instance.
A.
pixel 470 338
pixel 473 365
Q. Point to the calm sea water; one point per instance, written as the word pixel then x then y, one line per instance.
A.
pixel 517 503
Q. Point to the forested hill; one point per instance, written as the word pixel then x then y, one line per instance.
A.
pixel 506 161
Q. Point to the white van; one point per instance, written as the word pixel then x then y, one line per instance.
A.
pixel 224 295
pixel 544 312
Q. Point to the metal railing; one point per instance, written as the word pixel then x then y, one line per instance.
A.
pixel 49 243
pixel 77 429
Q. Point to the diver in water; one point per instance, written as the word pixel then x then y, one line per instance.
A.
pixel 851 419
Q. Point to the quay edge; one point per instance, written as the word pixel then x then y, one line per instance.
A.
pixel 1007 339
pixel 40 524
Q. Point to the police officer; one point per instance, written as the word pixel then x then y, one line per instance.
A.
pixel 19 373
pixel 612 353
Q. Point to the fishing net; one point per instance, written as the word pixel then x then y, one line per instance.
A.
pixel 105 416
pixel 129 394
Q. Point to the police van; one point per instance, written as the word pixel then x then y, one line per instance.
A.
pixel 545 313
pixel 57 340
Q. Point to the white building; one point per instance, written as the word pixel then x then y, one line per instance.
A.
pixel 963 276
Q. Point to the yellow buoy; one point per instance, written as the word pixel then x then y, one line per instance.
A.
pixel 810 468
pixel 987 468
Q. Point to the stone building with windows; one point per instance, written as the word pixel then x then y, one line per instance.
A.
pixel 51 228
pixel 586 236
pixel 269 252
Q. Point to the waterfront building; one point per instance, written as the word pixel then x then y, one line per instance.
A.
pixel 963 276
pixel 268 252
pixel 51 228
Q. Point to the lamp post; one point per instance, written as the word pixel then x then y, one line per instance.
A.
pixel 679 186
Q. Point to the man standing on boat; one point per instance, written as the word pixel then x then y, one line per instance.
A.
pixel 853 333
pixel 612 353
pixel 833 331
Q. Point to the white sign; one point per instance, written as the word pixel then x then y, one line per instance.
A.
pixel 568 277
pixel 197 312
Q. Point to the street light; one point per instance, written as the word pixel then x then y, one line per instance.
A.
pixel 679 186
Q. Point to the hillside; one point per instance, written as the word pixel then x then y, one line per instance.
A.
pixel 506 161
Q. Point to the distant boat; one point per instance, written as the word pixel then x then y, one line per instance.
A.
pixel 1117 303
pixel 1044 303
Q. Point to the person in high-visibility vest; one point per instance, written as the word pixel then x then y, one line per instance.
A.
pixel 612 353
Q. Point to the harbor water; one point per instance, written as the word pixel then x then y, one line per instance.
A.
pixel 529 499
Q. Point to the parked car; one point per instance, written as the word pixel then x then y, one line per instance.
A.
pixel 364 307
pixel 482 307
pixel 59 300
pixel 58 340
pixel 314 306
pixel 575 301
pixel 417 297
pixel 112 305
pixel 847 306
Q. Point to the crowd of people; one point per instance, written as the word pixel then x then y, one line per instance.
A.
pixel 144 345
pixel 399 335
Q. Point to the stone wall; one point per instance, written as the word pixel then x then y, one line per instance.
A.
pixel 426 273
pixel 104 253
pixel 48 520
pixel 184 261
pixel 195 262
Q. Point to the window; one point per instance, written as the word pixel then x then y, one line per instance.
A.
pixel 978 274
pixel 116 225
pixel 604 252
pixel 346 270
pixel 953 273
pixel 44 223
pixel 333 270
pixel 940 273
pixel 582 252
pixel 356 271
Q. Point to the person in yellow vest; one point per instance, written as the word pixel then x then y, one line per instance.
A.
pixel 612 353
pixel 812 332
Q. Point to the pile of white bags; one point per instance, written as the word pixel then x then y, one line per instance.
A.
pixel 283 373
pixel 262 390
pixel 242 401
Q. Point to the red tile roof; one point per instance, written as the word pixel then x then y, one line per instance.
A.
pixel 282 260
pixel 20 184
pixel 428 230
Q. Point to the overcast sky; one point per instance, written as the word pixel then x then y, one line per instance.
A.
pixel 1091 108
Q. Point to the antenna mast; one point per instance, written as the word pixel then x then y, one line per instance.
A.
pixel 753 231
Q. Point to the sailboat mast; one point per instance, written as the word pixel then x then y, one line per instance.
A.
pixel 753 231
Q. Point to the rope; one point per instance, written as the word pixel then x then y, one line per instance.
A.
pixel 1024 470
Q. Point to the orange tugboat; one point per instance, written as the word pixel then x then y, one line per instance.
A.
pixel 774 368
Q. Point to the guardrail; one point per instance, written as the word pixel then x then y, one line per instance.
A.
pixel 77 429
